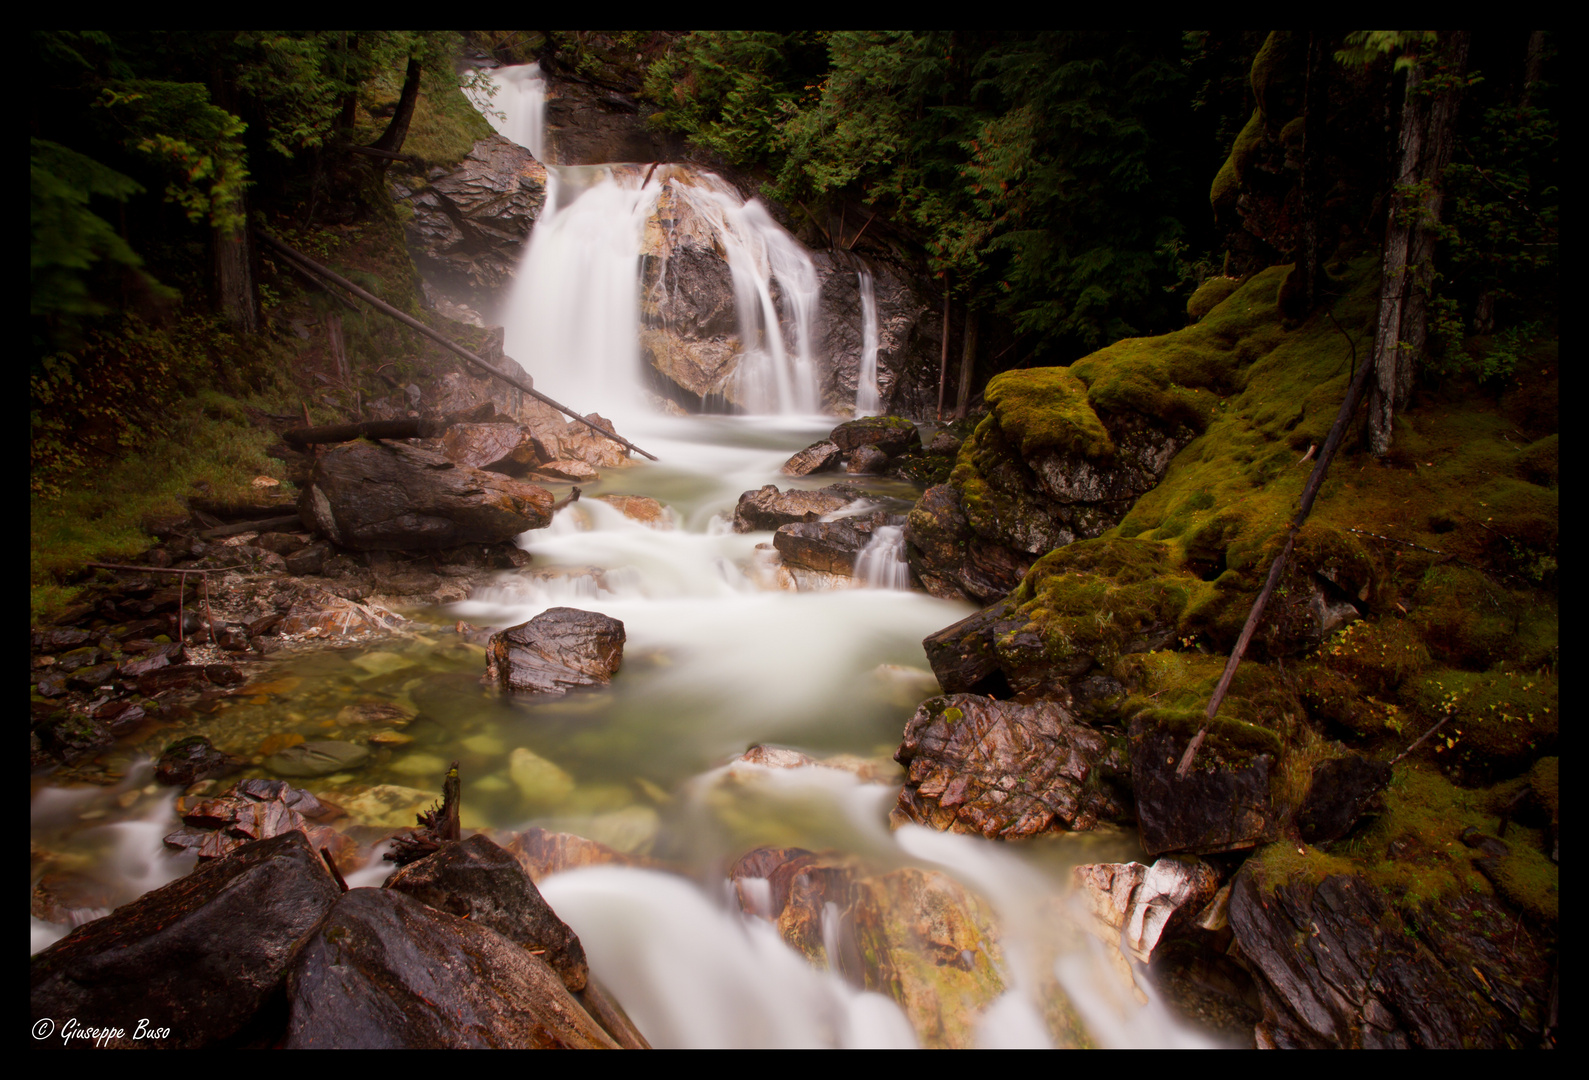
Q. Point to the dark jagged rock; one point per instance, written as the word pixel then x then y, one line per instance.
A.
pixel 201 956
pixel 867 460
pixel 953 562
pixel 505 448
pixel 477 880
pixel 71 737
pixel 473 221
pixel 1005 770
pixel 1338 966
pixel 190 760
pixel 1341 792
pixel 1223 805
pixel 767 508
pixel 384 970
pixel 395 497
pixel 558 650
pixel 828 546
pixel 962 654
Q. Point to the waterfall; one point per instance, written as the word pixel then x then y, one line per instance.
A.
pixel 881 563
pixel 574 316
pixel 867 399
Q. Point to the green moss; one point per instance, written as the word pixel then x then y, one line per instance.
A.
pixel 1500 721
pixel 1224 192
pixel 1291 861
pixel 1044 409
pixel 1209 295
pixel 1377 656
pixel 1247 142
pixel 1545 779
pixel 952 716
pixel 1230 743
pixel 1527 879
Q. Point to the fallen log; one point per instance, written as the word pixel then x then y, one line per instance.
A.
pixel 238 511
pixel 262 524
pixel 408 320
pixel 409 428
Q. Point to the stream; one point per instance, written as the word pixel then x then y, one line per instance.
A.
pixel 716 660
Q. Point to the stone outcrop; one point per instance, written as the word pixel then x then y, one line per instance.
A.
pixel 477 880
pixel 909 334
pixel 197 958
pixel 395 497
pixel 1145 903
pixel 1006 770
pixel 470 225
pixel 558 650
pixel 1338 966
pixel 826 546
pixel 1225 804
pixel 385 970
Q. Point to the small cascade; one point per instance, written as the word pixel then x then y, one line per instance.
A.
pixel 868 401
pixel 517 108
pixel 881 563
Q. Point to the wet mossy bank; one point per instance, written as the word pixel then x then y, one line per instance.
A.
pixel 1134 502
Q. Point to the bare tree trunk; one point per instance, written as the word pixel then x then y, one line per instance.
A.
pixel 1393 280
pixel 943 360
pixel 968 360
pixel 1439 114
pixel 391 139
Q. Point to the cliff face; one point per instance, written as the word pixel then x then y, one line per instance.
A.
pixel 1119 516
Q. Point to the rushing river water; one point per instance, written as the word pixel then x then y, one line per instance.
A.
pixel 717 659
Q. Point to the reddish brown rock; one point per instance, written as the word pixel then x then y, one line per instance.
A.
pixel 558 650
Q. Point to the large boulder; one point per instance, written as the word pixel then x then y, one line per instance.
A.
pixel 769 509
pixel 1006 770
pixel 197 958
pixel 477 880
pixel 396 497
pixel 558 650
pixel 828 546
pixel 893 435
pixel 1339 965
pixel 1224 804
pixel 385 970
pixel 472 223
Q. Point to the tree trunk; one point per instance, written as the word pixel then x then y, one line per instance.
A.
pixel 236 291
pixel 968 359
pixel 1393 279
pixel 391 139
pixel 943 359
pixel 1439 116
pixel 1315 107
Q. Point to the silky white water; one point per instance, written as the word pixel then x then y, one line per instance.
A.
pixel 868 400
pixel 715 661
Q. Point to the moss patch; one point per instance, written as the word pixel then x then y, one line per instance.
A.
pixel 1047 409
pixel 1500 721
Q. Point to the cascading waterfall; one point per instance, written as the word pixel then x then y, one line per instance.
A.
pixel 868 400
pixel 881 563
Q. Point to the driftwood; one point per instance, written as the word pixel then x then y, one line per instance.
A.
pixel 262 524
pixel 1310 491
pixel 410 428
pixel 408 320
pixel 437 826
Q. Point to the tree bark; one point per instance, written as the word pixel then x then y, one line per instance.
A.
pixel 943 359
pixel 1393 280
pixel 968 360
pixel 236 291
pixel 1315 108
pixel 391 139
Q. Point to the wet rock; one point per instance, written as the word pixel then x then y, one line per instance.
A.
pixel 190 760
pixel 505 448
pixel 71 737
pixel 952 562
pixel 867 460
pixel 318 758
pixel 580 443
pixel 558 650
pixel 540 781
pixel 1146 903
pixel 1223 805
pixel 255 809
pixel 385 970
pixel 1341 792
pixel 201 956
pixel 544 853
pixel 962 654
pixel 818 457
pixel 893 435
pixel 641 508
pixel 477 880
pixel 392 496
pixel 308 560
pixel 567 470
pixel 473 221
pixel 1002 769
pixel 324 614
pixel 59 638
pixel 388 805
pixel 1338 966
pixel 767 508
pixel 282 544
pixel 827 546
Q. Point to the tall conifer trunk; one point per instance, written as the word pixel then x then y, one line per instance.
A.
pixel 391 139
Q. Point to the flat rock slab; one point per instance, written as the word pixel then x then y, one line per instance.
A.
pixel 386 971
pixel 395 497
pixel 557 651
pixel 818 457
pixel 827 546
pixel 893 435
pixel 479 881
pixel 1002 769
pixel 767 508
pixel 199 956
